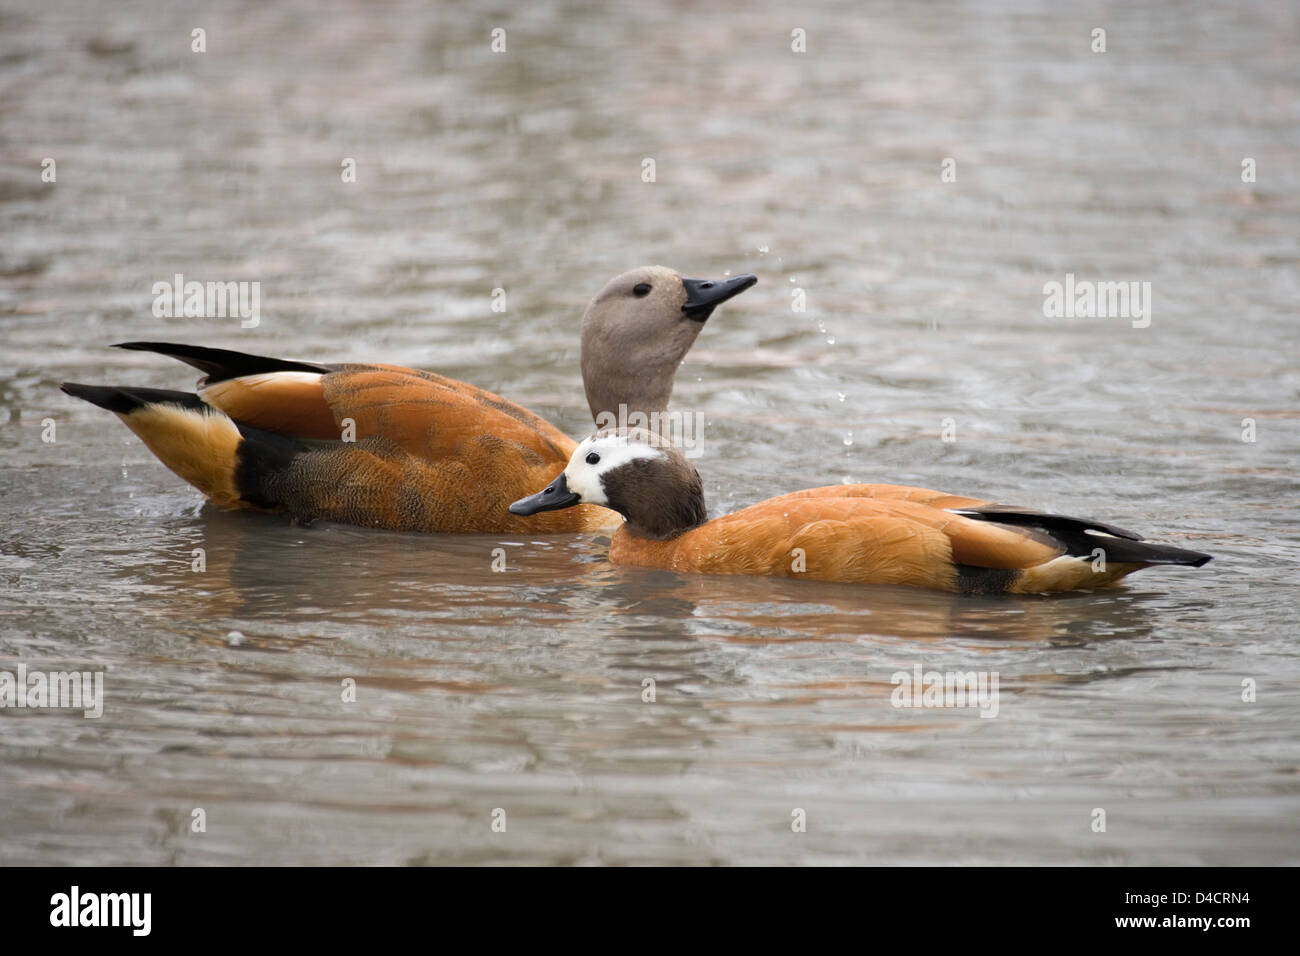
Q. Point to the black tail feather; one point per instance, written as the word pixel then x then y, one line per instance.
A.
pixel 124 400
pixel 1168 554
pixel 1007 514
pixel 1081 537
pixel 221 364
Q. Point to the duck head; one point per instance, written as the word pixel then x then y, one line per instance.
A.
pixel 637 330
pixel 635 472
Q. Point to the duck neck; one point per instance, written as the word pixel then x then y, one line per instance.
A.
pixel 657 511
pixel 660 530
pixel 628 401
pixel 629 380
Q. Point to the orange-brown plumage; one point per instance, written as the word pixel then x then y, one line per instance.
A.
pixel 867 534
pixel 820 538
pixel 865 539
pixel 424 452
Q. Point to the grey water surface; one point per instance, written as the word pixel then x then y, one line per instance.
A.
pixel 1171 704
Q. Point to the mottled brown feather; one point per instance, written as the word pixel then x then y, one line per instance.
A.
pixel 431 454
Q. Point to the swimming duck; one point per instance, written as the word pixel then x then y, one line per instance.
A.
pixel 868 534
pixel 392 447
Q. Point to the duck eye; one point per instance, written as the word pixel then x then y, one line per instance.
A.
pixel 641 289
pixel 593 459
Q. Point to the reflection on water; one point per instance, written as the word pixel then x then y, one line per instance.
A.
pixel 527 689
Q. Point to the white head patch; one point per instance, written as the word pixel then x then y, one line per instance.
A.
pixel 613 451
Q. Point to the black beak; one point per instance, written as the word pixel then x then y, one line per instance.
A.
pixel 553 497
pixel 705 295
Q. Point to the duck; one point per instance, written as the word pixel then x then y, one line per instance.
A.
pixel 863 533
pixel 396 448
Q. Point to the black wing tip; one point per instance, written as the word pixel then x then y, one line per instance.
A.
pixel 221 364
pixel 1152 554
pixel 123 401
pixel 1008 514
pixel 78 390
pixel 105 396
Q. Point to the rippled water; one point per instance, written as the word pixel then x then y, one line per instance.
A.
pixel 522 690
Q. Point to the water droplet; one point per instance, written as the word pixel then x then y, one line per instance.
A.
pixel 763 249
pixel 235 638
pixel 848 438
pixel 842 396
pixel 830 340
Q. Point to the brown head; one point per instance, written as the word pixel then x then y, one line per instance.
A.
pixel 635 472
pixel 637 330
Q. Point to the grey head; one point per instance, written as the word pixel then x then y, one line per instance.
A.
pixel 635 333
pixel 635 472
